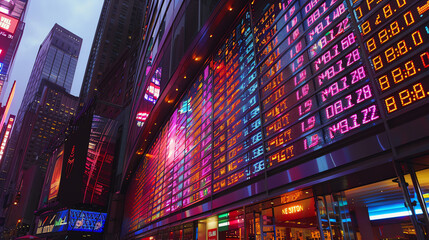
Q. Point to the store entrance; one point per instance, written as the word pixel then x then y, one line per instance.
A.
pixel 292 216
pixel 376 211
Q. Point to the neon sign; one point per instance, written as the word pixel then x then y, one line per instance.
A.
pixel 6 136
pixel 8 23
pixel 293 209
pixel 141 118
pixel 153 90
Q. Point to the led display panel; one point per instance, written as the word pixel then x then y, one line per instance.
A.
pixel 86 221
pixel 396 38
pixel 287 80
pixel 8 23
pixel 52 222
pixel 57 157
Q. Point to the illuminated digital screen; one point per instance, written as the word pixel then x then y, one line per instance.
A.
pixel 58 156
pixel 152 91
pixel 295 211
pixel 6 135
pixel 8 23
pixel 86 221
pixel 396 35
pixel 407 96
pixel 308 74
pixel 52 222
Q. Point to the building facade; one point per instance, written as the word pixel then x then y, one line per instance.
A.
pixel 45 111
pixel 56 62
pixel 280 120
pixel 45 122
pixel 119 27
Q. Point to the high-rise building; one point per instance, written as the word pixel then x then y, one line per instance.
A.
pixel 45 110
pixel 118 28
pixel 45 121
pixel 56 62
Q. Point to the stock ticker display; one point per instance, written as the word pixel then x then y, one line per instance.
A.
pixel 286 81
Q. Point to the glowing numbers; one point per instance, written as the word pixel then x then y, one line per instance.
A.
pixel 390 55
pixel 390 104
pixel 377 63
pixel 411 70
pixel 358 13
pixel 417 38
pixel 409 19
pixel 384 82
pixel 387 10
pixel 402 46
pixel 348 102
pixel 368 3
pixel 425 59
pixel 349 40
pixel 394 28
pixel 371 45
pixel 406 96
pixel 383 37
pixel 419 91
pixel 365 116
pixel 401 3
pixel 366 28
pixel 397 75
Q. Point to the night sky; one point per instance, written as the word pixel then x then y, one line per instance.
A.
pixel 79 17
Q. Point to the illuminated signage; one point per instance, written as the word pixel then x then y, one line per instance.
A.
pixel 153 90
pixel 212 234
pixel 6 136
pixel 296 195
pixel 230 220
pixel 8 104
pixel 87 221
pixel 53 222
pixel 296 210
pixel 398 50
pixel 141 118
pixel 292 209
pixel 305 75
pixel 8 23
pixel 56 175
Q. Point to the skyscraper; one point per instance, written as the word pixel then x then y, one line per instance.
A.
pixel 43 123
pixel 46 108
pixel 118 27
pixel 56 62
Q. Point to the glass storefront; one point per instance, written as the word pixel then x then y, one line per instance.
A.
pixel 376 211
pixel 292 216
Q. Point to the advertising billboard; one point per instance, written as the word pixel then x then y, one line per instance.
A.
pixel 56 175
pixel 88 221
pixel 8 23
pixel 52 222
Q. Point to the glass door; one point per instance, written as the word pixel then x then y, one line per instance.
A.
pixel 334 217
